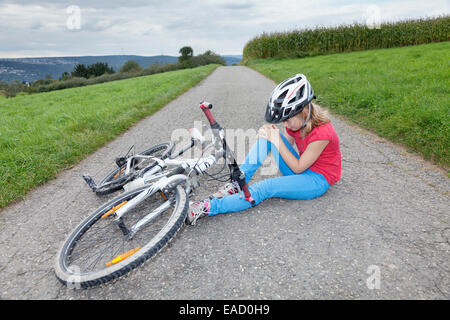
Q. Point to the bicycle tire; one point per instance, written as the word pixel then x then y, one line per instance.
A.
pixel 72 275
pixel 121 181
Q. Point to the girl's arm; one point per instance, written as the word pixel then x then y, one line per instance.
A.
pixel 262 133
pixel 307 158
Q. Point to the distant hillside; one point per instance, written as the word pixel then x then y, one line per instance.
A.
pixel 32 69
pixel 230 59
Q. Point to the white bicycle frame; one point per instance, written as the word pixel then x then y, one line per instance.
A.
pixel 197 165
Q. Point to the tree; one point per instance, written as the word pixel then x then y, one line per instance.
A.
pixel 80 70
pixel 93 70
pixel 98 69
pixel 131 66
pixel 186 54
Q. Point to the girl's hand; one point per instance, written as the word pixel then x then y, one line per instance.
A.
pixel 270 132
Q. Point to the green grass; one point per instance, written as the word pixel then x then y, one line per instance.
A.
pixel 402 94
pixel 42 134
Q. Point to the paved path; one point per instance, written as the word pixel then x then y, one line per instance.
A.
pixel 387 217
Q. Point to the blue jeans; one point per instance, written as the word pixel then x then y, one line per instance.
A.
pixel 305 185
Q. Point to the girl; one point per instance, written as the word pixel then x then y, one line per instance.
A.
pixel 304 177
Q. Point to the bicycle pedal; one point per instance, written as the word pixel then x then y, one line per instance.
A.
pixel 90 182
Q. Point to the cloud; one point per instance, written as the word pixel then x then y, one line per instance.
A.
pixel 35 28
pixel 238 5
pixel 112 4
pixel 17 17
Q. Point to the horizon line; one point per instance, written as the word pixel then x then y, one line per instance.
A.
pixel 103 55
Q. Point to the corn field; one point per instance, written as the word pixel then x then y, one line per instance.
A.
pixel 346 38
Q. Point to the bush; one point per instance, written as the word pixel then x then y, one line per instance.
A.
pixel 11 89
pixel 131 66
pixel 152 69
pixel 42 82
pixel 209 57
pixel 63 84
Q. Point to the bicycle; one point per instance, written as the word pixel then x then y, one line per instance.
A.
pixel 135 225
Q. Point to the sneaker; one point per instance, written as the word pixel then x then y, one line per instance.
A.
pixel 226 190
pixel 197 210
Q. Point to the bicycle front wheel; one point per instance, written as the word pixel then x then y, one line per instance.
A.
pixel 99 250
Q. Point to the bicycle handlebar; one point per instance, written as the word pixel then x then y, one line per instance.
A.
pixel 206 106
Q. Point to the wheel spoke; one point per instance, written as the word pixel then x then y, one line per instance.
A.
pixel 104 239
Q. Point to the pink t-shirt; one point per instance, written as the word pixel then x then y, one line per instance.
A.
pixel 329 162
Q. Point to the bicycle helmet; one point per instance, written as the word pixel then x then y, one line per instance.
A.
pixel 289 98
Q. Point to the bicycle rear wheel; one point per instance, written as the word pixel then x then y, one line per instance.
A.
pixel 116 179
pixel 98 250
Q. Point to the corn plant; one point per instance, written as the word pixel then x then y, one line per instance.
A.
pixel 346 38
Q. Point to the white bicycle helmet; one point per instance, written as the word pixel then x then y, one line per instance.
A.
pixel 289 98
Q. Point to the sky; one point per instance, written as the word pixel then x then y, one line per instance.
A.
pixel 50 28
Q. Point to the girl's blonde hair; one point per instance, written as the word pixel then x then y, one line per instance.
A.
pixel 317 117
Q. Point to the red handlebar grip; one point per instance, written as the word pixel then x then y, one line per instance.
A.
pixel 205 106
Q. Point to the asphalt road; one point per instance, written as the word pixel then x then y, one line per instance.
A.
pixel 382 232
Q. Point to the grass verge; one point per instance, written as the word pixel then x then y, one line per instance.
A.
pixel 42 134
pixel 401 94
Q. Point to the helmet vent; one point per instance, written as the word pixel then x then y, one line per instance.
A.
pixel 283 95
pixel 279 102
pixel 286 112
pixel 300 92
pixel 287 84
